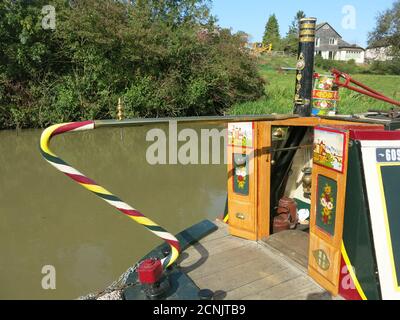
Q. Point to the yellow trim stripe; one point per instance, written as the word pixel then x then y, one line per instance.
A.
pixel 226 218
pixel 352 274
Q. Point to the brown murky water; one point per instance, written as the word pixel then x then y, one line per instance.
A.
pixel 47 219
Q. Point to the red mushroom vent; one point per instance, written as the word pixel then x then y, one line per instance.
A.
pixel 150 271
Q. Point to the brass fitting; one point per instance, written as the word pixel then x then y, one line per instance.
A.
pixel 120 110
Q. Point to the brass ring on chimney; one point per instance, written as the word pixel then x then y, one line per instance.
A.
pixel 307 39
pixel 307 26
pixel 307 32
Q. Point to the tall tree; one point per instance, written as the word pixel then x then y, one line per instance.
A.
pixel 271 34
pixel 387 30
pixel 292 36
pixel 294 27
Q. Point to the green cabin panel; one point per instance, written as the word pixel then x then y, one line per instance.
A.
pixel 390 180
pixel 357 233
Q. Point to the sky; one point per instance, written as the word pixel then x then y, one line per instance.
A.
pixel 352 19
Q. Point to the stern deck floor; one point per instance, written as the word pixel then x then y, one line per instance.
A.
pixel 236 269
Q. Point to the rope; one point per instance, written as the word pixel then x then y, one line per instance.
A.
pixel 98 190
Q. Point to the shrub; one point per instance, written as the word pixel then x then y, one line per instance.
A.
pixel 386 67
pixel 164 58
pixel 349 66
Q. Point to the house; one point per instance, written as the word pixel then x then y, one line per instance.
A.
pixel 378 53
pixel 330 45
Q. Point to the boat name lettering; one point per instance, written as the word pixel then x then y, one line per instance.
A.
pixel 388 154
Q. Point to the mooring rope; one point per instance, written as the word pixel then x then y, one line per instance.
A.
pixel 98 190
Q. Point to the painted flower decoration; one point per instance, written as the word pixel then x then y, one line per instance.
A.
pixel 327 203
pixel 325 215
pixel 241 177
pixel 244 141
pixel 328 189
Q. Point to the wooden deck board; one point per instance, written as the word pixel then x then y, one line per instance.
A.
pixel 286 288
pixel 254 287
pixel 236 269
pixel 293 244
pixel 227 280
pixel 219 234
pixel 225 260
pixel 210 248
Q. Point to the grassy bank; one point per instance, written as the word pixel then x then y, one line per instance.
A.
pixel 280 90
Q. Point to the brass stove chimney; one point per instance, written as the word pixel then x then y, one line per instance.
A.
pixel 305 67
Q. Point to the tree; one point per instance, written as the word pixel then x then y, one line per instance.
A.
pixel 291 41
pixel 271 34
pixel 387 30
pixel 294 27
pixel 387 34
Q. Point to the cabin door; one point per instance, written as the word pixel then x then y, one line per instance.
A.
pixel 327 206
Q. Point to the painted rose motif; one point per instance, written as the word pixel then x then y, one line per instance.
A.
pixel 327 203
pixel 325 83
pixel 325 96
pixel 241 176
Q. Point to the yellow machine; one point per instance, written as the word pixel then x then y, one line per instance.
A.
pixel 260 48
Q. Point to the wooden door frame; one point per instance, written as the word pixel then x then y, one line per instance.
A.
pixel 263 162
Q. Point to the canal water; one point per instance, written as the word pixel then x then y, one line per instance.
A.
pixel 47 219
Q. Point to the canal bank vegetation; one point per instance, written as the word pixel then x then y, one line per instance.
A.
pixel 164 58
pixel 383 76
pixel 280 84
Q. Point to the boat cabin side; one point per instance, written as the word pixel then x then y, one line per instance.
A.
pixel 335 180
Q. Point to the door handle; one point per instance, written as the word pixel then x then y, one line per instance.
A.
pixel 240 216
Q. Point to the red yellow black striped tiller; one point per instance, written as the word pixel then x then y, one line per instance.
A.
pixel 98 190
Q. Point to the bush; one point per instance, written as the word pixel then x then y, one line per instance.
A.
pixel 391 67
pixel 386 67
pixel 164 58
pixel 349 66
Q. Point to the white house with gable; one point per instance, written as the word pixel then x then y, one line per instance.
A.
pixel 330 45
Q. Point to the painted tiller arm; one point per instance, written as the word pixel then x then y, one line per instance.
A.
pixel 364 89
pixel 98 190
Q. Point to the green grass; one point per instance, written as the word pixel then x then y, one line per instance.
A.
pixel 279 90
